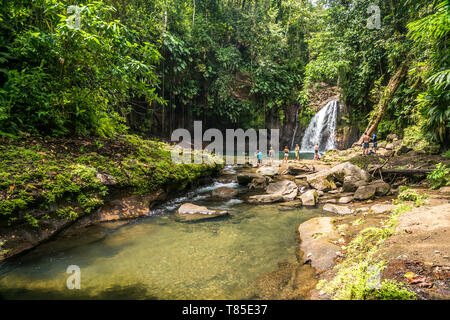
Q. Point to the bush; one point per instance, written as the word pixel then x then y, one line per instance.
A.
pixel 439 177
pixel 407 194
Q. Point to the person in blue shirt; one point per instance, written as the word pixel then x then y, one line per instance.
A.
pixel 259 157
pixel 374 141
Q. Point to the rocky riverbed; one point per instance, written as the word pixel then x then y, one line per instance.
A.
pixel 327 207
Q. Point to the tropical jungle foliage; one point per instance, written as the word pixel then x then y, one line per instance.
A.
pixel 155 65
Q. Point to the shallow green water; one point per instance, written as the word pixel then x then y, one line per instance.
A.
pixel 160 258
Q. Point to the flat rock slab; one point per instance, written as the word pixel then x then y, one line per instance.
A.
pixel 317 236
pixel 342 210
pixel 290 205
pixel 192 212
pixel 421 234
pixel 265 198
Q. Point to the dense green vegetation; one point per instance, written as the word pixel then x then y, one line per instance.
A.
pixel 156 65
pixel 76 176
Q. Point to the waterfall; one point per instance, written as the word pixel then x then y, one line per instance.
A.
pixel 296 126
pixel 321 129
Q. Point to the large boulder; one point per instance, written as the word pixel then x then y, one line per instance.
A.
pixel 259 183
pixel 192 212
pixel 382 188
pixel 268 171
pixel 342 210
pixel 365 192
pixel 391 137
pixel 310 198
pixel 245 178
pixel 287 189
pixel 326 180
pixel 224 193
pixel 352 183
pixel 316 241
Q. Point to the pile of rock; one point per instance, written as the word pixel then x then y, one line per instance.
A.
pixel 339 185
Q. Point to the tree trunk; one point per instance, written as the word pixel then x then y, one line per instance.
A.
pixel 193 14
pixel 386 97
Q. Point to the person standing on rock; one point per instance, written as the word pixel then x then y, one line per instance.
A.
pixel 286 154
pixel 259 157
pixel 365 140
pixel 271 154
pixel 316 152
pixel 374 141
pixel 297 152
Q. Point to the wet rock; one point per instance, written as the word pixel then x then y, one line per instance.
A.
pixel 245 178
pixel 286 188
pixel 265 198
pixel 259 183
pixel 382 208
pixel 310 198
pixel 129 207
pixel 268 171
pixel 225 180
pixel 224 193
pixel 290 205
pixel 342 210
pixel 317 236
pixel 365 192
pixel 192 212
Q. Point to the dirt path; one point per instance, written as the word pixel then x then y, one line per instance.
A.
pixel 419 251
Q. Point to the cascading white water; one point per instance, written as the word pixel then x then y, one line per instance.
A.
pixel 321 129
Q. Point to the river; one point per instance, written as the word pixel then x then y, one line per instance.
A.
pixel 158 257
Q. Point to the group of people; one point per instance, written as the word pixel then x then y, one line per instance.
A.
pixel 366 139
pixel 286 151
